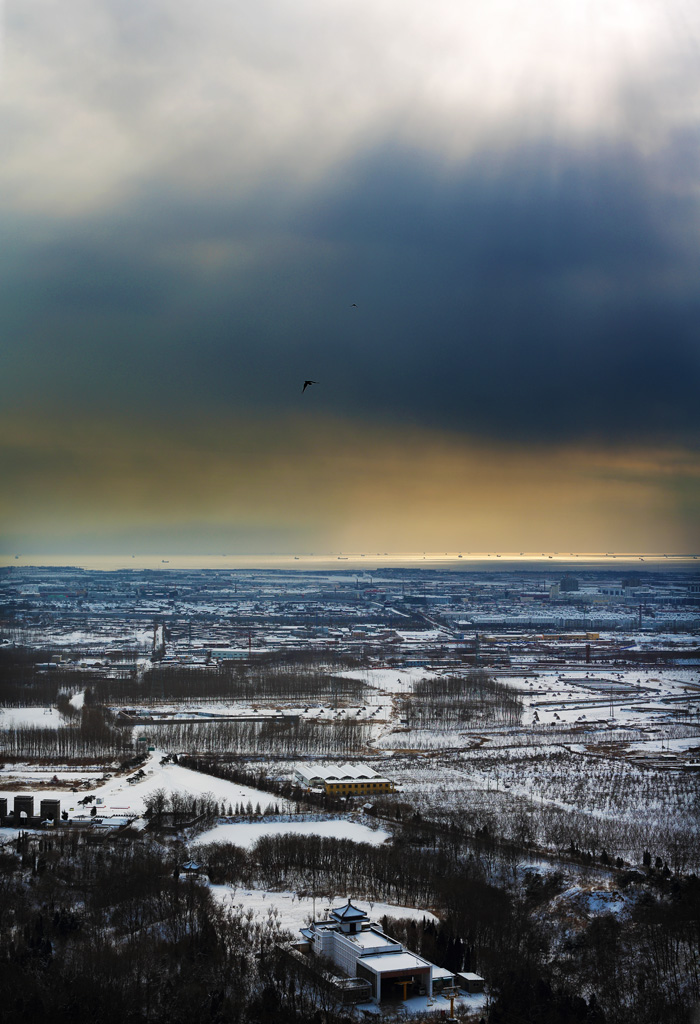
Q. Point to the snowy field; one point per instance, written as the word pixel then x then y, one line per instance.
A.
pixel 598 751
pixel 246 834
pixel 38 717
pixel 101 632
pixel 635 699
pixel 373 708
pixel 643 711
pixel 389 680
pixel 293 911
pixel 119 797
pixel 122 797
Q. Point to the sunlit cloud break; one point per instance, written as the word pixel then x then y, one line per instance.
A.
pixel 303 485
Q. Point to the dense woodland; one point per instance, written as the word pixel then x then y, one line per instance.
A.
pixel 450 702
pixel 292 738
pixel 297 676
pixel 111 933
pixel 96 733
pixel 25 681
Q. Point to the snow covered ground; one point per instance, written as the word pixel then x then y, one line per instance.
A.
pixel 635 698
pixel 437 1007
pixel 246 834
pixel 389 680
pixel 588 740
pixel 586 903
pixel 38 717
pixel 119 797
pixel 122 797
pixel 294 911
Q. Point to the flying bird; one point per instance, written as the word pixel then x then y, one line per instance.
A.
pixel 306 384
pixel 353 304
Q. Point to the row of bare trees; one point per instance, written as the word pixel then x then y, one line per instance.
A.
pixel 305 677
pixel 454 701
pixel 281 737
pixel 252 680
pixel 92 734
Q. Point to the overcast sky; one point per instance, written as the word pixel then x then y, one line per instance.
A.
pixel 193 196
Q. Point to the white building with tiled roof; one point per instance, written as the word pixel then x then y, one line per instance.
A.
pixel 343 780
pixel 362 950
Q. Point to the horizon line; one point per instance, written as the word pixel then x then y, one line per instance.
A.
pixel 335 559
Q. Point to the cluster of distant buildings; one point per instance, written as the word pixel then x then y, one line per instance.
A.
pixel 123 621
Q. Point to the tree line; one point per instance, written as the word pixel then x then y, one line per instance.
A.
pixel 306 677
pixel 453 701
pixel 92 733
pixel 282 737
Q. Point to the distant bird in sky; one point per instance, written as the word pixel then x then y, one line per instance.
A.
pixel 353 304
pixel 306 384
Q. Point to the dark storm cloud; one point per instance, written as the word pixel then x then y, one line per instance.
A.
pixel 557 293
pixel 543 294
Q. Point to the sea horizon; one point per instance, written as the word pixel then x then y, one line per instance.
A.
pixel 353 560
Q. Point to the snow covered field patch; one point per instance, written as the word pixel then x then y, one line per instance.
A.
pixel 246 834
pixel 294 911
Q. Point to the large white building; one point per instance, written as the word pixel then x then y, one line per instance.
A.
pixel 362 950
pixel 343 780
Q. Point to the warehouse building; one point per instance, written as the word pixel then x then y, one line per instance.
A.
pixel 343 780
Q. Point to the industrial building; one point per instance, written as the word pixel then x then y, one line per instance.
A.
pixel 361 950
pixel 343 780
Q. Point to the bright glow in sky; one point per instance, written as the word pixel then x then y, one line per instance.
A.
pixel 100 97
pixel 306 485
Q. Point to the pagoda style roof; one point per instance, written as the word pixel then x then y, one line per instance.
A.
pixel 349 913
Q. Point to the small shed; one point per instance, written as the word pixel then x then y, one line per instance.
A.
pixel 442 979
pixel 472 983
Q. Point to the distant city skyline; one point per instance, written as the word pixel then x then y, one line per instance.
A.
pixel 475 228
